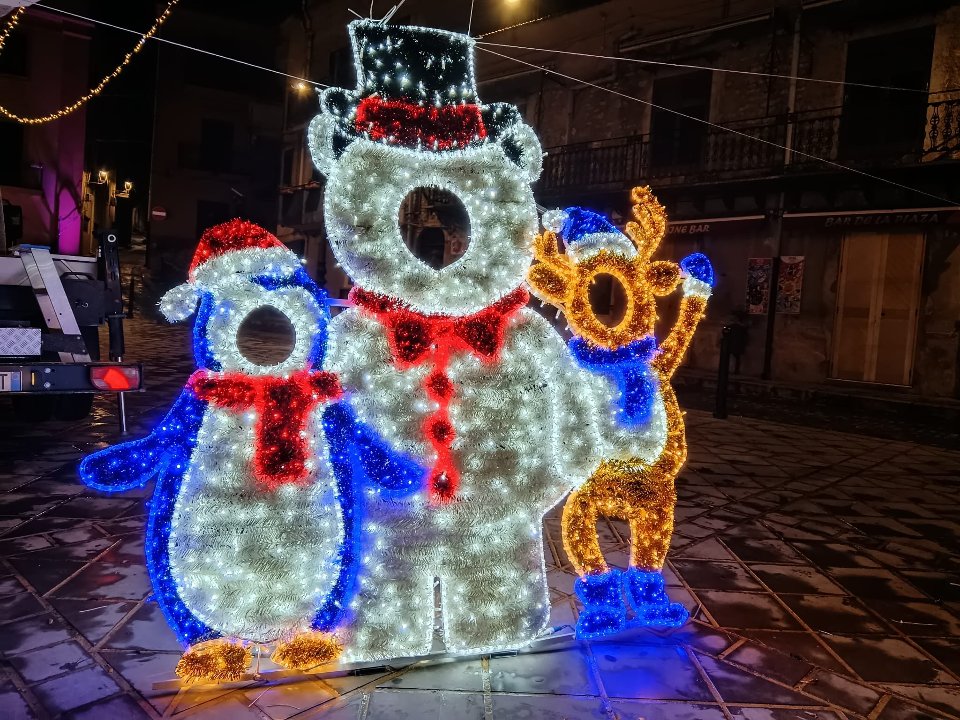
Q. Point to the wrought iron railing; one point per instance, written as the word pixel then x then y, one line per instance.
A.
pixel 755 148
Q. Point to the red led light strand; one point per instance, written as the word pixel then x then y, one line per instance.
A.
pixel 415 338
pixel 232 235
pixel 283 407
pixel 406 123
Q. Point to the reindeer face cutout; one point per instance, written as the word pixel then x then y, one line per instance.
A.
pixel 564 279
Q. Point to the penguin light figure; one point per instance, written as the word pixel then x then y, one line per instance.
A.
pixel 245 540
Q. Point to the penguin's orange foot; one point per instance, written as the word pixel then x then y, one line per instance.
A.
pixel 217 660
pixel 307 650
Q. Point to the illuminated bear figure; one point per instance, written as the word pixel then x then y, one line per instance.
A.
pixel 448 366
pixel 250 536
pixel 624 487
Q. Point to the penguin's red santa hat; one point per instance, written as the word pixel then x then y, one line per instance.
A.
pixel 233 249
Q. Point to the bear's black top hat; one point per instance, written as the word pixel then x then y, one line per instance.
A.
pixel 416 89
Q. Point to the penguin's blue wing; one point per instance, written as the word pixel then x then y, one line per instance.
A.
pixel 131 464
pixel 358 458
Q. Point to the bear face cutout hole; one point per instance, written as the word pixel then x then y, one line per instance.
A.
pixel 435 226
pixel 608 299
pixel 266 336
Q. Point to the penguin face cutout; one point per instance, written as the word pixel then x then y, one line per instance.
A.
pixel 225 291
pixel 224 310
pixel 364 193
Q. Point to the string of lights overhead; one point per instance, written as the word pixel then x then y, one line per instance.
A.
pixel 302 83
pixel 98 88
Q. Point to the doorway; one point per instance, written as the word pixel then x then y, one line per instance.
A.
pixel 878 297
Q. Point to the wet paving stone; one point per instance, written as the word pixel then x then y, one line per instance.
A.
pixel 715 575
pixel 742 686
pixel 44 573
pixel 898 709
pixel 843 692
pixel 76 689
pixel 833 614
pixel 32 632
pixel 117 708
pixel 92 618
pixel 649 672
pixel 747 610
pixel 37 665
pixel 887 659
pixel 776 665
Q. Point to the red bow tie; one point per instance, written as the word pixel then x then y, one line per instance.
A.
pixel 414 338
pixel 413 335
pixel 283 405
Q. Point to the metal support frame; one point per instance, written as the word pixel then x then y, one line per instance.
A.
pixel 52 298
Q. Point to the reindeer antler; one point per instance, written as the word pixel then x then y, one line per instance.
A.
pixel 650 224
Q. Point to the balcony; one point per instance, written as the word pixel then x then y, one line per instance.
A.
pixel 714 154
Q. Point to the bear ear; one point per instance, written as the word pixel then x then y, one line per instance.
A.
pixel 180 302
pixel 522 146
pixel 320 137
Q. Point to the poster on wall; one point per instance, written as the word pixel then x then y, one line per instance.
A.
pixel 790 284
pixel 758 285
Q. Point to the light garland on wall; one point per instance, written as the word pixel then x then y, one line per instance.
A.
pixel 10 25
pixel 98 88
pixel 626 488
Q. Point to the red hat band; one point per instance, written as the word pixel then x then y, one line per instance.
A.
pixel 411 125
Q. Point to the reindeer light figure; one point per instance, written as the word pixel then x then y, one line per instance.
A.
pixel 643 494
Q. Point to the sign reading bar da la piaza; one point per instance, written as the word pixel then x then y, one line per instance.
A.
pixel 889 219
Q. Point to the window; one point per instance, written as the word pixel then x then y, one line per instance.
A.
pixel 675 140
pixel 210 213
pixel 11 157
pixel 216 145
pixel 14 58
pixel 286 171
pixel 886 120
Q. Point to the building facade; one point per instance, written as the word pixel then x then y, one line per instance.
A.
pixel 44 66
pixel 828 208
pixel 216 135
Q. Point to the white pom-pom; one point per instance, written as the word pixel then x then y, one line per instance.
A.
pixel 553 220
pixel 180 302
pixel 698 288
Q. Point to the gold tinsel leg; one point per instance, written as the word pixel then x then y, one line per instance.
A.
pixel 218 660
pixel 579 529
pixel 307 650
pixel 650 533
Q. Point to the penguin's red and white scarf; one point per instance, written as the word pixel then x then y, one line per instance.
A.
pixel 283 406
pixel 415 338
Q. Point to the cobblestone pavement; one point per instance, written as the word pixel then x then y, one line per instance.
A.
pixel 820 568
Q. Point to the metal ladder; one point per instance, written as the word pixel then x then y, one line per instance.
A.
pixel 52 298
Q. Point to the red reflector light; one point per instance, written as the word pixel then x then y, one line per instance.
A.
pixel 113 377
